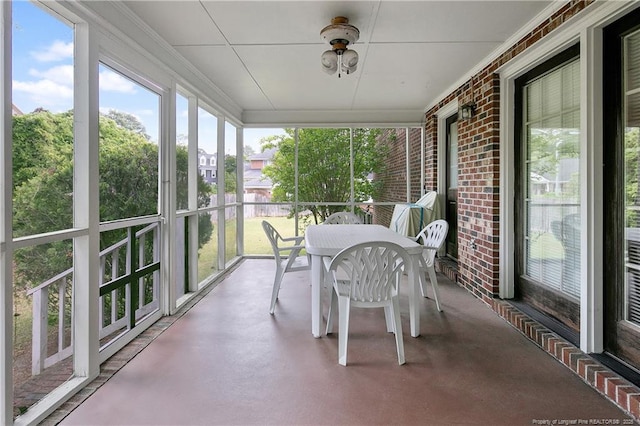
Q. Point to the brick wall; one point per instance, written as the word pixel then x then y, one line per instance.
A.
pixel 394 177
pixel 478 164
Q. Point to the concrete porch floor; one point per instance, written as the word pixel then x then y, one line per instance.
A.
pixel 227 361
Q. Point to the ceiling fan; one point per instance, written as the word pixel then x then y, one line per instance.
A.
pixel 340 58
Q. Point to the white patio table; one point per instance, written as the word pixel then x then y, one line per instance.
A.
pixel 329 240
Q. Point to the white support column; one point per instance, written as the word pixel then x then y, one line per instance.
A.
pixel 168 190
pixel 86 204
pixel 6 209
pixel 220 172
pixel 591 193
pixel 240 190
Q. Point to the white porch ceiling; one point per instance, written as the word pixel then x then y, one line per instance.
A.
pixel 265 55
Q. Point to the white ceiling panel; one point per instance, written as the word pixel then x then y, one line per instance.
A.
pixel 221 64
pixel 265 55
pixel 428 68
pixel 285 22
pixel 179 22
pixel 451 21
pixel 292 79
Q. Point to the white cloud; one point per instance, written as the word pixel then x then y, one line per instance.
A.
pixel 62 74
pixel 112 82
pixel 57 51
pixel 46 94
pixel 146 112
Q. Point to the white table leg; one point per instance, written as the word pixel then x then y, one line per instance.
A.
pixel 414 299
pixel 317 276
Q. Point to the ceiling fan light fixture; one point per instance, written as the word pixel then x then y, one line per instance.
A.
pixel 349 58
pixel 340 35
pixel 349 70
pixel 329 61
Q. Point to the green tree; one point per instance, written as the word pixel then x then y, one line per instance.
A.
pixel 548 146
pixel 230 173
pixel 324 167
pixel 43 187
pixel 41 141
pixel 128 121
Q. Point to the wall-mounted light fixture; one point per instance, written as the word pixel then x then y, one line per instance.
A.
pixel 467 110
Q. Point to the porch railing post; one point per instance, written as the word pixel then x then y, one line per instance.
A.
pixel 39 330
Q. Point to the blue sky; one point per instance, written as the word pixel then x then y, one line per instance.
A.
pixel 43 78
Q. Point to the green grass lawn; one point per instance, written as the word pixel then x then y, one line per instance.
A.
pixel 255 242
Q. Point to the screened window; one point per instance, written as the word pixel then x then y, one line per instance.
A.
pixel 42 58
pixel 551 205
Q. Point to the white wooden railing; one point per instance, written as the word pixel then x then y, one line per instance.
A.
pixel 110 265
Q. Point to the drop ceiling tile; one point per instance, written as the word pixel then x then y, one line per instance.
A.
pixel 222 66
pixel 179 22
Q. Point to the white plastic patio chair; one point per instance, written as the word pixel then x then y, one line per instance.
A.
pixel 431 237
pixel 367 275
pixel 286 252
pixel 342 218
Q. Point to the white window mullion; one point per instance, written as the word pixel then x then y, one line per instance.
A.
pixel 6 251
pixel 407 163
pixel 352 172
pixel 193 194
pixel 422 163
pixel 240 190
pixel 220 172
pixel 295 177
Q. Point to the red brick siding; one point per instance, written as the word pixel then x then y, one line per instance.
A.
pixel 415 163
pixel 431 153
pixel 394 177
pixel 478 164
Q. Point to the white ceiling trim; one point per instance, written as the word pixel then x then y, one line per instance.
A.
pixel 324 118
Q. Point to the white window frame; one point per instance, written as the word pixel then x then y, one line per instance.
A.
pixel 6 210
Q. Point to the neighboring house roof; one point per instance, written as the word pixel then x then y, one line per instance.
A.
pixel 258 184
pixel 15 110
pixel 254 178
pixel 252 174
pixel 265 155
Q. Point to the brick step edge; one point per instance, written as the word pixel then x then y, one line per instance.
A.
pixel 615 388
